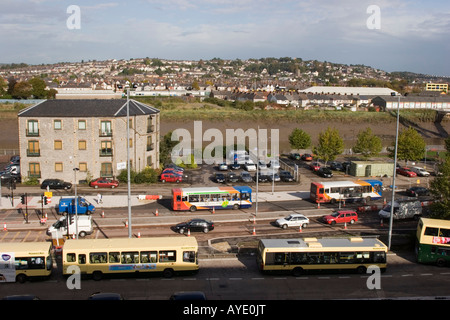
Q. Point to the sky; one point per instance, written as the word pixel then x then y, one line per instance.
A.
pixel 391 35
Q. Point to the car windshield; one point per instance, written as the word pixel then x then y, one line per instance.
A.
pixel 335 214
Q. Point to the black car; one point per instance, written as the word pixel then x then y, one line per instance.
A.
pixel 325 172
pixel 193 225
pixel 294 156
pixel 219 177
pixel 417 191
pixel 232 177
pixel 336 166
pixel 55 184
pixel 286 176
pixel 235 166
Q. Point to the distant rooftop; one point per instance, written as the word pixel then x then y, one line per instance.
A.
pixel 362 91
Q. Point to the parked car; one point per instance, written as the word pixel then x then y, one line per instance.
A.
pixel 171 177
pixel 188 296
pixel 173 170
pixel 314 166
pixel 262 165
pixel 274 177
pixel 199 225
pixel 307 157
pixel 262 178
pixel 55 184
pixel 335 165
pixel 232 177
pixel 417 191
pixel 235 166
pixel 421 172
pixel 404 171
pixel 219 177
pixel 246 177
pixel 341 217
pixel 274 164
pixel 223 167
pixel 286 176
pixel 295 156
pixel 250 166
pixel 292 220
pixel 104 183
pixel 174 166
pixel 325 172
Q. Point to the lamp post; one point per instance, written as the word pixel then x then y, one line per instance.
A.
pixel 391 217
pixel 76 203
pixel 130 234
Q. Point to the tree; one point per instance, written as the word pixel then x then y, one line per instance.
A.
pixel 440 189
pixel 330 145
pixel 367 144
pixel 299 139
pixel 411 146
pixel 38 88
pixel 22 90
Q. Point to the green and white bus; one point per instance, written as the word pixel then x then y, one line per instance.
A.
pixel 433 241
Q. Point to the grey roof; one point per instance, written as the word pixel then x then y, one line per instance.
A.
pixel 324 242
pixel 87 108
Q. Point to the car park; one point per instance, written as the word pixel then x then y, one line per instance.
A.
pixel 195 225
pixel 219 178
pixel 55 184
pixel 262 165
pixel 232 177
pixel 250 166
pixel 404 171
pixel 295 156
pixel 235 166
pixel 246 177
pixel 274 177
pixel 293 220
pixel 346 216
pixel 262 178
pixel 104 183
pixel 335 165
pixel 314 166
pixel 223 167
pixel 421 172
pixel 417 191
pixel 170 177
pixel 307 157
pixel 325 172
pixel 286 176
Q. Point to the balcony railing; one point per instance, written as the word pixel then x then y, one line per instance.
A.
pixel 105 133
pixel 106 174
pixel 150 129
pixel 34 174
pixel 151 147
pixel 32 133
pixel 105 152
pixel 33 153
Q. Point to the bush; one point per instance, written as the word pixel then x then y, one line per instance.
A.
pixel 148 175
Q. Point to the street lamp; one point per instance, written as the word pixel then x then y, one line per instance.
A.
pixel 76 202
pixel 391 218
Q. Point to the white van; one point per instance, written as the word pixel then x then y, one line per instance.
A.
pixel 59 228
pixel 421 172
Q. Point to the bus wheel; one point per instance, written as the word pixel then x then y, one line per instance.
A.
pixel 297 272
pixel 21 278
pixel 168 273
pixel 193 208
pixel 333 201
pixel 97 275
pixel 440 262
pixel 236 206
pixel 361 270
pixel 82 234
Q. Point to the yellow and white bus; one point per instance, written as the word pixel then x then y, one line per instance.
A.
pixel 433 241
pixel 99 257
pixel 20 261
pixel 297 256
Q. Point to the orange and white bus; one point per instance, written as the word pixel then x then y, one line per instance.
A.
pixel 335 191
pixel 194 199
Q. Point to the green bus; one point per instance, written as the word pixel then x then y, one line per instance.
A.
pixel 433 241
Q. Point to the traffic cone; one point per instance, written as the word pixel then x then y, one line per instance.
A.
pixel 189 233
pixel 156 213
pixel 4 227
pixel 318 205
pixel 254 231
pixel 381 222
pixel 343 203
pixel 103 214
pixel 345 226
pixel 254 220
pixel 139 235
pixel 214 210
pixel 73 235
pixel 300 229
pixel 126 223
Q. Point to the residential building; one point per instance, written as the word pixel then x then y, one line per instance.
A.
pixel 56 136
pixel 440 87
pixel 439 103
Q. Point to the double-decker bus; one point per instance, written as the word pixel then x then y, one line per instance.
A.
pixel 334 191
pixel 99 257
pixel 20 261
pixel 433 241
pixel 297 256
pixel 211 198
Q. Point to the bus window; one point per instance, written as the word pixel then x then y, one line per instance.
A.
pixel 167 256
pixel 70 257
pixel 429 231
pixel 114 257
pixel 245 196
pixel 188 256
pixel 82 259
pixel 193 198
pixel 148 256
pixel 178 198
pixel 97 257
pixel 130 257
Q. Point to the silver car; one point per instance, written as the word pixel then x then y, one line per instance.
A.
pixel 293 220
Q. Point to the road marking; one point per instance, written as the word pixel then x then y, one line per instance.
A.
pixel 426 274
pixel 212 279
pixel 234 278
pixel 25 238
pixel 187 279
pixel 407 275
pixel 280 278
pixel 258 278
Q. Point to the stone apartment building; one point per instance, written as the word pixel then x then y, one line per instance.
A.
pixel 57 136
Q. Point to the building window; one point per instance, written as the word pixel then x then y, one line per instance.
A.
pixel 106 170
pixel 58 145
pixel 150 145
pixel 149 161
pixel 82 166
pixel 130 143
pixel 106 149
pixel 32 128
pixel 105 129
pixel 58 167
pixel 34 170
pixel 33 149
pixel 81 124
pixel 81 144
pixel 57 124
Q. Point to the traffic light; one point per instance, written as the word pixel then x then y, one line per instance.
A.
pixel 71 219
pixel 22 199
pixel 45 200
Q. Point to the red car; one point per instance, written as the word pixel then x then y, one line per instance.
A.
pixel 172 170
pixel 341 217
pixel 307 157
pixel 406 172
pixel 314 166
pixel 171 177
pixel 104 183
